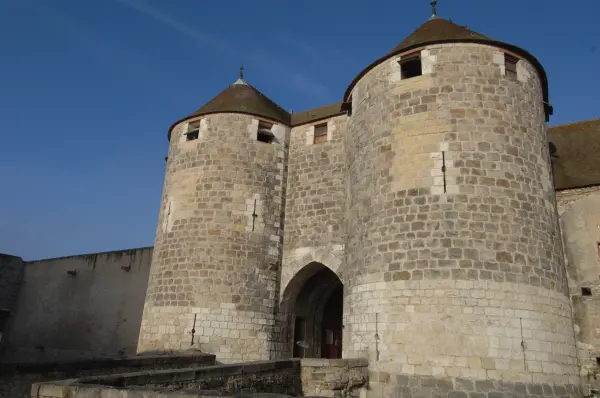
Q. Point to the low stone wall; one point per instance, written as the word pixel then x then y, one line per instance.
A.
pixel 386 385
pixel 293 377
pixel 16 379
pixel 324 377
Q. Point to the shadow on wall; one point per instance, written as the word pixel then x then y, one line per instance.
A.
pixel 11 274
pixel 16 379
pixel 580 226
pixel 79 307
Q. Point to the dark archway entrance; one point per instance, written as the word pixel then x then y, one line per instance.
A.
pixel 331 335
pixel 314 314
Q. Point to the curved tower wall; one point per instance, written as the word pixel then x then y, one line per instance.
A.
pixel 448 284
pixel 213 261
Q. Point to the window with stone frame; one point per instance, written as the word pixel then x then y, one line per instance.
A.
pixel 320 134
pixel 510 66
pixel 264 132
pixel 193 130
pixel 410 66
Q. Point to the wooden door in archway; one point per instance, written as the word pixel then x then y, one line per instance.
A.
pixel 331 339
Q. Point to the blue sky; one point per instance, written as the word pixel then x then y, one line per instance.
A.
pixel 88 89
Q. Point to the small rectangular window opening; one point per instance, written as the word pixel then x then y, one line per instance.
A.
pixel 510 65
pixel 193 131
pixel 586 291
pixel 410 67
pixel 320 133
pixel 264 133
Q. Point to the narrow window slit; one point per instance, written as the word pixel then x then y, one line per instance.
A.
pixel 510 66
pixel 444 169
pixel 254 215
pixel 193 329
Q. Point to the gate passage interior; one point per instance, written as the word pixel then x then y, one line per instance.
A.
pixel 318 317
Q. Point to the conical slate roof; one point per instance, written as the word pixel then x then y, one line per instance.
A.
pixel 438 30
pixel 241 97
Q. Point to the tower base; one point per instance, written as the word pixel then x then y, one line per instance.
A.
pixel 383 385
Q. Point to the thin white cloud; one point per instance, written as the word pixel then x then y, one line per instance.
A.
pixel 179 26
pixel 276 68
pixel 291 77
pixel 317 56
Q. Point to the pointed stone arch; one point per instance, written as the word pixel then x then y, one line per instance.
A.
pixel 311 313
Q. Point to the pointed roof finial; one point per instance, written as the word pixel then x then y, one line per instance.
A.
pixel 240 79
pixel 433 9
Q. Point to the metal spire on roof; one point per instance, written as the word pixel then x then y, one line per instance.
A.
pixel 240 79
pixel 433 9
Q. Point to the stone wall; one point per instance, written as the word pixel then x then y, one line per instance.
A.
pixel 76 307
pixel 218 244
pixel 580 223
pixel 455 268
pixel 11 269
pixel 315 205
pixel 568 196
pixel 315 213
pixel 11 274
pixel 325 377
pixel 16 380
pixel 404 386
pixel 284 377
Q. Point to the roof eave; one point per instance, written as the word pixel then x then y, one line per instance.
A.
pixel 318 119
pixel 489 42
pixel 195 115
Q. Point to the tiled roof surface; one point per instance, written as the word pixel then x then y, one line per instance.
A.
pixel 438 30
pixel 576 162
pixel 243 98
pixel 315 114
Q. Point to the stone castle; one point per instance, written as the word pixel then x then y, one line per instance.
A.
pixel 429 222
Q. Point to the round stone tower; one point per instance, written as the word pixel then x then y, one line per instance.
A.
pixel 213 279
pixel 455 271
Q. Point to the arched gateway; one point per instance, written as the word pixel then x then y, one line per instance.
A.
pixel 312 308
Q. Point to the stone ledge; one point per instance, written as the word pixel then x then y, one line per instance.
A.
pixel 70 367
pixel 187 374
pixel 321 377
pixel 336 363
pixel 58 391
